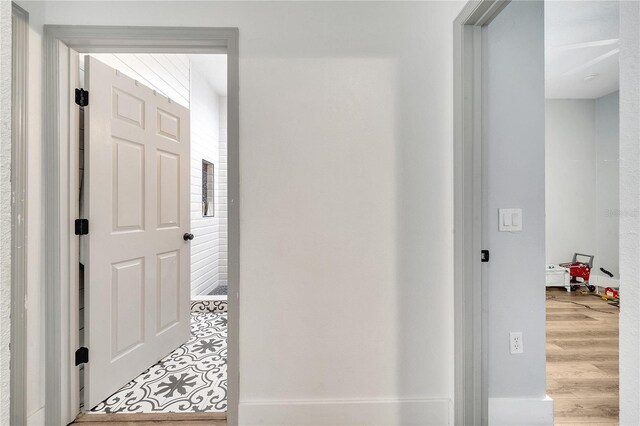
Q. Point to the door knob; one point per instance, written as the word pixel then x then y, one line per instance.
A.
pixel 188 237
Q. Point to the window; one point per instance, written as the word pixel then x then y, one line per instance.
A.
pixel 207 189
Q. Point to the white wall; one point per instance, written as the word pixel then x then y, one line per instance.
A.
pixel 5 206
pixel 630 213
pixel 345 190
pixel 220 197
pixel 570 154
pixel 582 203
pixel 514 126
pixel 608 183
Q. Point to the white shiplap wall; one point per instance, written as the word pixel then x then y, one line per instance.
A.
pixel 175 77
pixel 221 194
pixel 205 134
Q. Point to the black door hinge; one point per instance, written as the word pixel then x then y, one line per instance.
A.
pixel 82 97
pixel 82 226
pixel 82 356
pixel 484 256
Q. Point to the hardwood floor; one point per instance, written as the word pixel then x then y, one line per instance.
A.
pixel 582 358
pixel 181 419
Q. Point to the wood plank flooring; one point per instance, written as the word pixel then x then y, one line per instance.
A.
pixel 122 419
pixel 582 358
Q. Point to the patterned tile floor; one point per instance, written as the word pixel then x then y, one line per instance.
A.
pixel 193 378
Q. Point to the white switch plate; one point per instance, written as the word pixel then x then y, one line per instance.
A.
pixel 509 220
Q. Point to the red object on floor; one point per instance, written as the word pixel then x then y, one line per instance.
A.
pixel 578 270
pixel 613 293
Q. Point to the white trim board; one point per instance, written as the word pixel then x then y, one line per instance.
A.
pixel 521 411
pixel 470 296
pixel 60 254
pixel 604 281
pixel 214 297
pixel 19 167
pixel 424 412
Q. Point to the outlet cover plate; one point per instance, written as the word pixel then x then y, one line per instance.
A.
pixel 515 342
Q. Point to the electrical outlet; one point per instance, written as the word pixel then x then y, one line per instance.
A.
pixel 515 339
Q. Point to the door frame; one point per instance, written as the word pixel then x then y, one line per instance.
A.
pixel 19 205
pixel 60 165
pixel 470 293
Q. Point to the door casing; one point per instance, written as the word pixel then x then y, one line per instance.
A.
pixel 470 295
pixel 19 209
pixel 60 165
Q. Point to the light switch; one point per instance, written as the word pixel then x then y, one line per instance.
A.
pixel 515 219
pixel 509 220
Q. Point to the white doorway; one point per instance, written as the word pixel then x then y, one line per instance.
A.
pixel 61 43
pixel 188 373
pixel 466 225
pixel 499 214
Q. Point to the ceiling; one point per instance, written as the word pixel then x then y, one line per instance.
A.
pixel 214 69
pixel 581 49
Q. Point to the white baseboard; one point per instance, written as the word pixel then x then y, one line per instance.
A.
pixel 217 297
pixel 521 411
pixel 604 281
pixel 341 413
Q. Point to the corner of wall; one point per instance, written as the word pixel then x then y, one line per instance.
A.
pixel 629 217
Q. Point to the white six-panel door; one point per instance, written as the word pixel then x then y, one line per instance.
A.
pixel 137 199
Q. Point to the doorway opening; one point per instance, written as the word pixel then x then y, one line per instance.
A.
pixel 582 210
pixel 192 377
pixel 162 179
